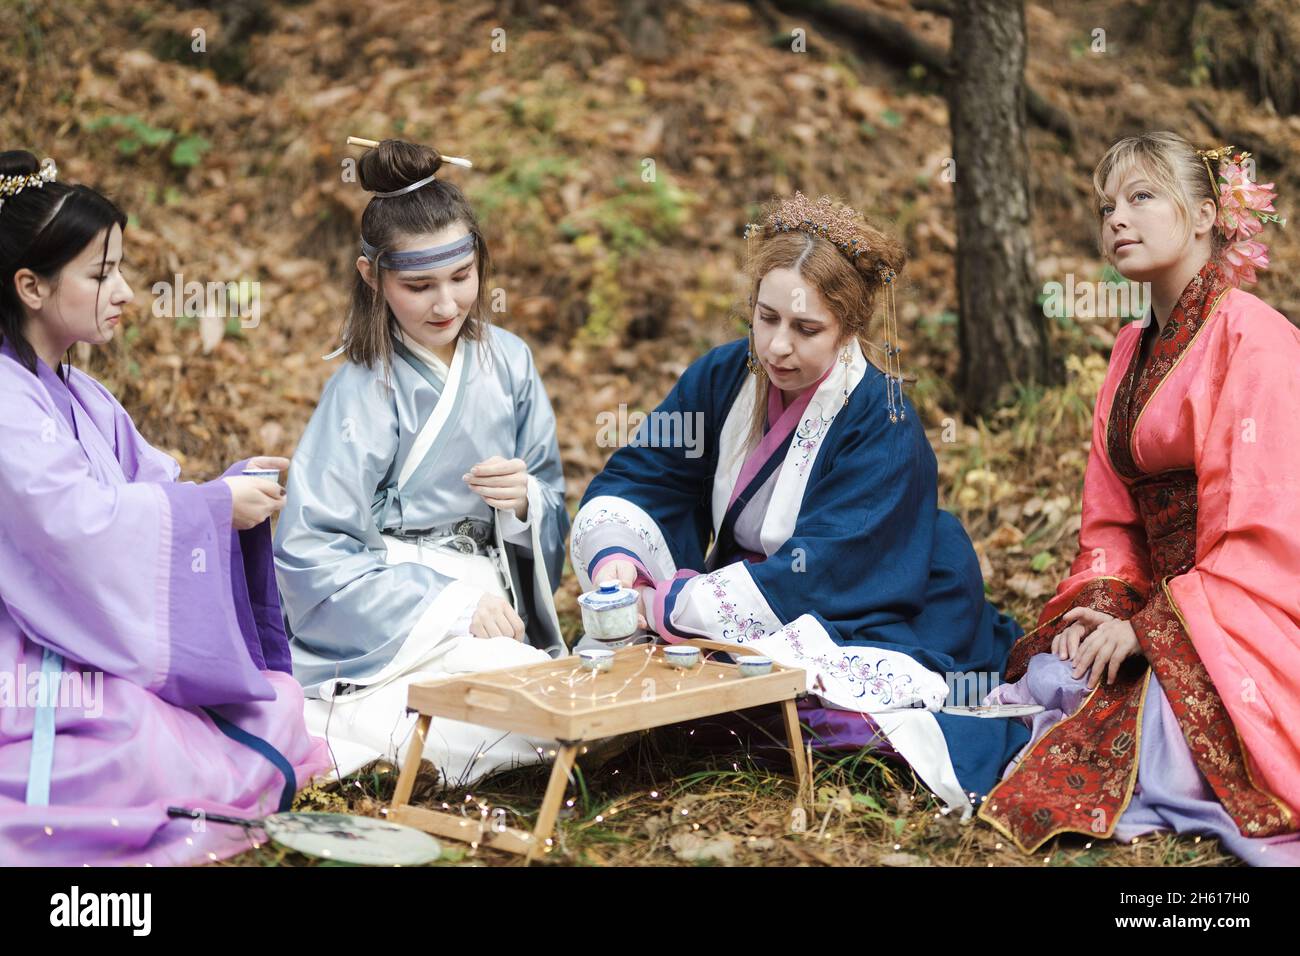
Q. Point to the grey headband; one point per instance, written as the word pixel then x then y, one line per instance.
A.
pixel 415 259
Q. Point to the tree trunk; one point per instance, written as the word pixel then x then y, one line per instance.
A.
pixel 642 24
pixel 1001 329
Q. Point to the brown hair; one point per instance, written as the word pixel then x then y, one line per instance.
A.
pixel 849 285
pixel 368 328
pixel 1172 165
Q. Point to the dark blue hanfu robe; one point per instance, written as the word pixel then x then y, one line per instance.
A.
pixel 823 547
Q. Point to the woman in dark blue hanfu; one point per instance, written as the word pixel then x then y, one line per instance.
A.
pixel 811 532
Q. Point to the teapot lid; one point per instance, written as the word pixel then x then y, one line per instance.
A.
pixel 607 597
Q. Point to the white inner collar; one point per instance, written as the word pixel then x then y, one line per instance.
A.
pixel 440 368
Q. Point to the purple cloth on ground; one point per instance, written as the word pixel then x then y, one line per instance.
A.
pixel 1171 793
pixel 760 731
pixel 843 730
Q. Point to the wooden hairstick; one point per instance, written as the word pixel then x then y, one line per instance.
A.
pixel 372 143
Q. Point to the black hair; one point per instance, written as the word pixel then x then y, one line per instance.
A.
pixel 43 228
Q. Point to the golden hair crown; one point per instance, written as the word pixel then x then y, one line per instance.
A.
pixel 820 218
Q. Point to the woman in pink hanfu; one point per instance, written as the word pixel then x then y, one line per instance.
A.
pixel 1174 645
pixel 143 663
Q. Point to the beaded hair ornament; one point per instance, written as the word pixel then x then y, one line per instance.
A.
pixel 834 222
pixel 1244 208
pixel 11 186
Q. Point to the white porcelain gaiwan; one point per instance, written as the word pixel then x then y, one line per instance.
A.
pixel 267 474
pixel 609 613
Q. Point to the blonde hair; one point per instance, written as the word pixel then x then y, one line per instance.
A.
pixel 1173 166
pixel 848 285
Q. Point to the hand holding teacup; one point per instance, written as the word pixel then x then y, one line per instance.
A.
pixel 623 573
pixel 256 493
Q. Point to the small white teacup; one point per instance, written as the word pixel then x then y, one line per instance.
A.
pixel 596 659
pixel 266 474
pixel 751 665
pixel 682 656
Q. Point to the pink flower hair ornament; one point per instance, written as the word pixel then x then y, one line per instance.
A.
pixel 1245 206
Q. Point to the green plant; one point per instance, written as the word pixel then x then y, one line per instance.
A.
pixel 521 182
pixel 137 134
pixel 605 298
pixel 639 216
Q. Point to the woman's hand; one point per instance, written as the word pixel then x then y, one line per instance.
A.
pixel 253 500
pixel 494 617
pixel 1105 649
pixel 502 483
pixel 619 571
pixel 1083 621
pixel 623 573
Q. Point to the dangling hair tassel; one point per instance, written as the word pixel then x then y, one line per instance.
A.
pixel 846 361
pixel 751 358
pixel 893 363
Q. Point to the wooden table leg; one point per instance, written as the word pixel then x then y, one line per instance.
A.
pixel 797 756
pixel 555 790
pixel 411 766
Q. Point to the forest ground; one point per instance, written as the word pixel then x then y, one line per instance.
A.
pixel 232 164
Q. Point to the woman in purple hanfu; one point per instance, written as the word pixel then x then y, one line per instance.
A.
pixel 143 663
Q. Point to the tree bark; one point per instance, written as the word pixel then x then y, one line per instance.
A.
pixel 873 35
pixel 642 24
pixel 1001 330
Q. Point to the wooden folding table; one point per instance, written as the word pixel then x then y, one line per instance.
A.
pixel 562 701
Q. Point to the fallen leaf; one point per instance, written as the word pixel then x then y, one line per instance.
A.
pixel 1027 585
pixel 690 847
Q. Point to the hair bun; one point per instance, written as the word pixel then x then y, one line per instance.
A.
pixel 883 252
pixel 395 163
pixel 18 162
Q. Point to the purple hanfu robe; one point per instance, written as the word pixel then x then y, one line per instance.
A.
pixel 159 628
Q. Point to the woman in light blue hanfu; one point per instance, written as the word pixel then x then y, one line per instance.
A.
pixel 424 528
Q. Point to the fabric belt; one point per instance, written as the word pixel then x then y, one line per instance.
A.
pixel 468 536
pixel 267 750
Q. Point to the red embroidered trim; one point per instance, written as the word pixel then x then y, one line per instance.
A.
pixel 1140 382
pixel 1167 504
pixel 1204 720
pixel 1079 776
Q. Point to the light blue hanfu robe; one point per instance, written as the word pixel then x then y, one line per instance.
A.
pixel 823 548
pixel 376 591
